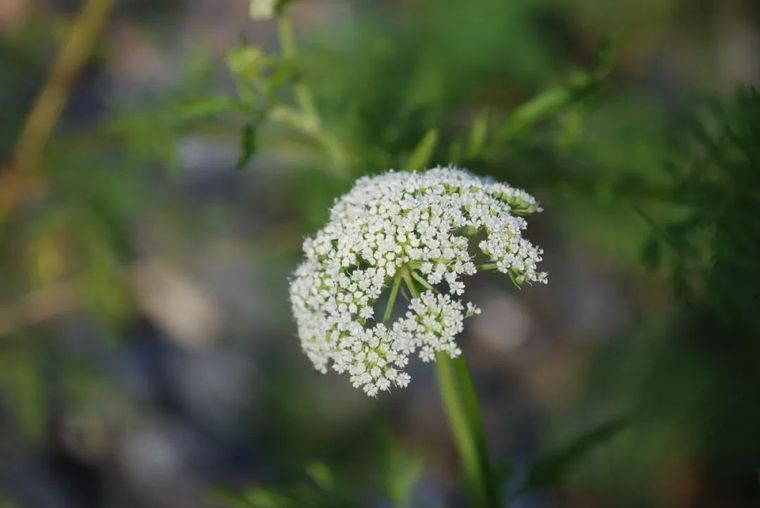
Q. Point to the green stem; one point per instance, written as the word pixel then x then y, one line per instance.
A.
pixel 463 413
pixel 419 278
pixel 311 121
pixel 409 282
pixel 556 99
pixel 475 418
pixel 392 297
pixel 290 50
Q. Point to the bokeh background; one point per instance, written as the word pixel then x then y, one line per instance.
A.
pixel 147 353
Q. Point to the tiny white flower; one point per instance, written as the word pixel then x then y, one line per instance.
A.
pixel 415 226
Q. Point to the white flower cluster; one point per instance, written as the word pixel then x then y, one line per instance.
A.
pixel 410 228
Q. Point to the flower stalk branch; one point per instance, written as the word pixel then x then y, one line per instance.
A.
pixel 392 297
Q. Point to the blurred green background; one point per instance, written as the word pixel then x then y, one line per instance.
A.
pixel 147 352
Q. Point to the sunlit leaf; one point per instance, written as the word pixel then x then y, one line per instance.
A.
pixel 423 152
pixel 268 498
pixel 321 475
pixel 477 137
pixel 580 86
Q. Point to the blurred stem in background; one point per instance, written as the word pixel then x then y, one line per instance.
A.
pixel 21 175
pixel 555 99
pixel 311 122
pixel 290 50
pixel 261 78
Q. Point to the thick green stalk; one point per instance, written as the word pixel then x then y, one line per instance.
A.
pixel 475 418
pixel 463 414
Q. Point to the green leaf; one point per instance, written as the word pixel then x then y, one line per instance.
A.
pixel 652 253
pixel 321 475
pixel 268 498
pixel 283 73
pixel 401 468
pixel 206 107
pixel 549 469
pixel 247 145
pixel 22 389
pixel 228 498
pixel 477 137
pixel 402 479
pixel 552 101
pixel 423 152
pixel 456 150
pixel 281 6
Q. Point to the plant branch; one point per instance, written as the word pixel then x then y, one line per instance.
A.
pixel 49 105
pixel 419 278
pixel 311 121
pixel 39 306
pixel 556 99
pixel 46 110
pixel 475 419
pixel 290 50
pixel 392 297
pixel 463 414
pixel 410 283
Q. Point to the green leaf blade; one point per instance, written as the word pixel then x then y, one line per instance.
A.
pixel 247 146
pixel 549 469
pixel 423 152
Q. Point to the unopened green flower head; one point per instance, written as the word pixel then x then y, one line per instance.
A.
pixel 413 228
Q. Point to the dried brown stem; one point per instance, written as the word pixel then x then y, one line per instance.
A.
pixel 21 178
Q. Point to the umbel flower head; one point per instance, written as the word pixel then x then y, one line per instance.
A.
pixel 405 233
